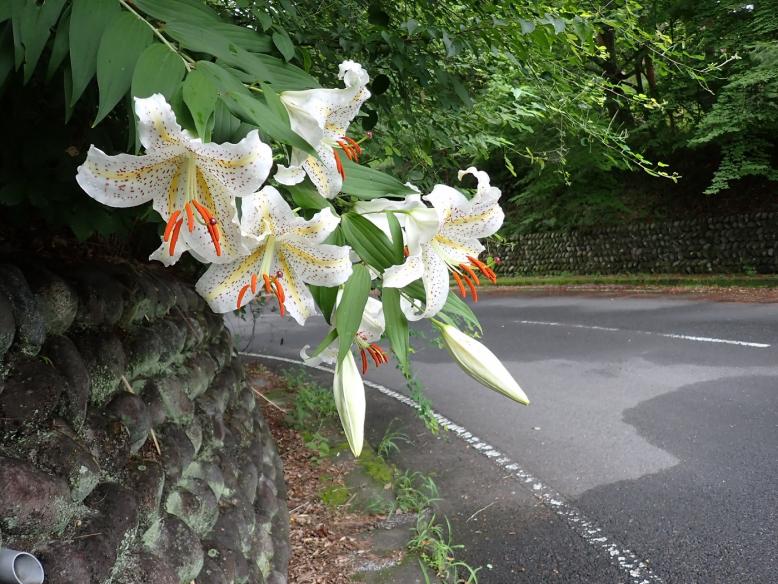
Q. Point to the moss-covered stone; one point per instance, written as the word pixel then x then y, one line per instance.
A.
pixel 56 299
pixel 105 362
pixel 64 356
pixel 171 540
pixel 30 325
pixel 33 503
pixel 31 395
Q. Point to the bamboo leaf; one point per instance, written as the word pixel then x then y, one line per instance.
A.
pixel 350 309
pixel 367 183
pixel 120 47
pixel 88 20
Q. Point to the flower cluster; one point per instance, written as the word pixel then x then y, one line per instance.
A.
pixel 264 246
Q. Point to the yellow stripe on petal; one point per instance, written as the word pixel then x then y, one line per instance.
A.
pixel 172 190
pixel 289 284
pixel 310 258
pixel 240 273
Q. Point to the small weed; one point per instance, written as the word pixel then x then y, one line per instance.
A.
pixel 313 404
pixel 388 443
pixel 318 443
pixel 415 492
pixel 433 542
pixel 335 496
pixel 379 506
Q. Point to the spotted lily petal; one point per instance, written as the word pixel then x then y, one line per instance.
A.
pixel 453 247
pixel 289 256
pixel 322 117
pixel 193 185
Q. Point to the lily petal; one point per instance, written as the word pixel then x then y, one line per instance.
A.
pixel 324 172
pixel 409 271
pixel 125 180
pixel 436 283
pixel 289 175
pixel 157 125
pixel 221 284
pixel 317 229
pixel 241 167
pixel 299 300
pixel 321 264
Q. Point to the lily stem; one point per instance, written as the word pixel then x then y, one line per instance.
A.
pixel 188 62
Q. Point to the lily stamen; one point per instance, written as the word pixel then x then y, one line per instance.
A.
pixel 190 220
pixel 170 224
pixel 484 269
pixel 354 144
pixel 174 236
pixel 339 164
pixel 471 273
pixel 364 361
pixel 460 285
pixel 211 223
pixel 241 294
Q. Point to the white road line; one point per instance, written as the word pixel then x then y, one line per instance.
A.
pixel 667 335
pixel 636 570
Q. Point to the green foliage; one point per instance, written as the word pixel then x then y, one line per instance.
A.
pixel 415 492
pixel 434 543
pixel 313 406
pixel 744 119
pixel 390 441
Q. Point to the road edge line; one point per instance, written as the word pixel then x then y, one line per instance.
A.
pixel 637 569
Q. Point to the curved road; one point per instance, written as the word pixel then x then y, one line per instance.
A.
pixel 649 453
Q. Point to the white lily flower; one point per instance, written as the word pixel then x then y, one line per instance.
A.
pixel 193 185
pixel 480 363
pixel 419 222
pixel 321 117
pixel 287 249
pixel 454 247
pixel 349 392
pixel 370 330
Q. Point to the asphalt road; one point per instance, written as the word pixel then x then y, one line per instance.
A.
pixel 653 428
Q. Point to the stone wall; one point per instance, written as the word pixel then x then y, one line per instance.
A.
pixel 131 449
pixel 734 244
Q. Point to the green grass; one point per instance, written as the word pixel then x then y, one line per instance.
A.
pixel 714 280
pixel 432 541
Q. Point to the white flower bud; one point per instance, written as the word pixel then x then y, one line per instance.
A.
pixel 350 400
pixel 480 363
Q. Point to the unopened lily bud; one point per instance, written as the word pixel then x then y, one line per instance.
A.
pixel 480 363
pixel 350 400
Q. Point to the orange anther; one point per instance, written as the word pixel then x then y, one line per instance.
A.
pixel 174 236
pixel 189 217
pixel 339 164
pixel 253 283
pixel 268 287
pixel 458 280
pixel 279 291
pixel 473 291
pixel 170 223
pixel 241 294
pixel 364 361
pixel 470 273
pixel 354 144
pixel 203 210
pixel 373 353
